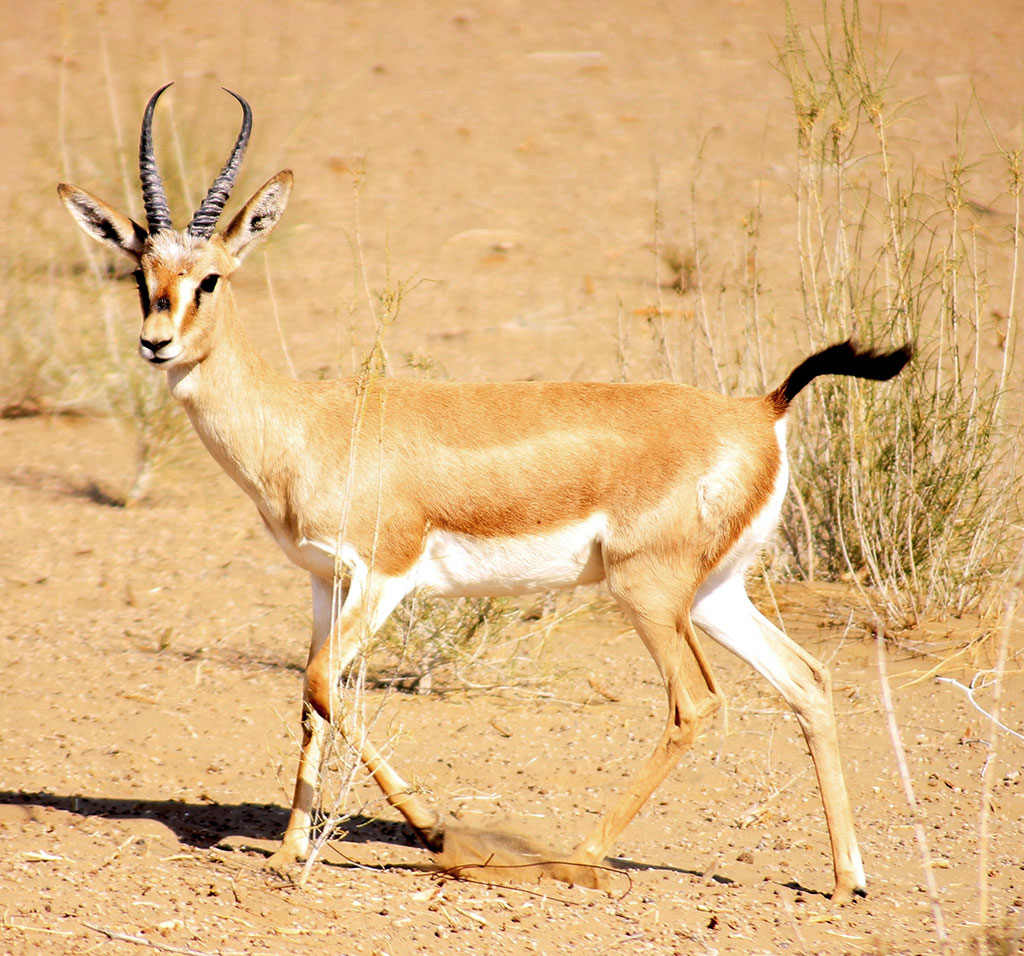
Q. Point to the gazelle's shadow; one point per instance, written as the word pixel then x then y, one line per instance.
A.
pixel 204 825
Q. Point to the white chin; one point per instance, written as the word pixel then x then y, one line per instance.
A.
pixel 160 361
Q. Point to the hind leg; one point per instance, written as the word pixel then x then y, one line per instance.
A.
pixel 724 611
pixel 693 698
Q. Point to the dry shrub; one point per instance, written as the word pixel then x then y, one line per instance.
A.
pixel 911 489
pixel 427 638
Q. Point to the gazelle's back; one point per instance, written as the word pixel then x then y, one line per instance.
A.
pixel 498 460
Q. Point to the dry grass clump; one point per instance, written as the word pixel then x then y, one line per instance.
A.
pixel 911 489
pixel 34 374
pixel 431 644
pixel 427 638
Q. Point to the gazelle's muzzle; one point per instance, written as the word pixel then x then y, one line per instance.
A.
pixel 158 353
pixel 159 342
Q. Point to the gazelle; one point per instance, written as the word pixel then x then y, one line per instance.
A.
pixel 663 491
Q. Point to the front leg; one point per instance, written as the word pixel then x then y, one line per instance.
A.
pixel 371 598
pixel 340 627
pixel 295 845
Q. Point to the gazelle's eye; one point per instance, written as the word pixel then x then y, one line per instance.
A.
pixel 206 287
pixel 140 281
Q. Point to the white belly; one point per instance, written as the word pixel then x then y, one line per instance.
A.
pixel 455 565
pixel 459 565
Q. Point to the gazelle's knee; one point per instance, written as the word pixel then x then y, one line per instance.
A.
pixel 708 707
pixel 813 695
pixel 705 710
pixel 688 718
pixel 317 699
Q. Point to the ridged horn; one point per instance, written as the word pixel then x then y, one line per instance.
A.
pixel 210 208
pixel 158 215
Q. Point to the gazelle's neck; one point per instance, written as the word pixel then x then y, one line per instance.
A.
pixel 226 361
pixel 233 399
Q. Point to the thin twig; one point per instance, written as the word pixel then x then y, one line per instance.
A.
pixel 985 811
pixel 908 791
pixel 801 941
pixel 25 928
pixel 142 941
pixel 969 691
pixel 277 315
pixel 457 873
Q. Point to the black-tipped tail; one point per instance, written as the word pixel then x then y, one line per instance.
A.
pixel 844 358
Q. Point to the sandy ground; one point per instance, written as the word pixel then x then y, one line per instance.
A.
pixel 509 164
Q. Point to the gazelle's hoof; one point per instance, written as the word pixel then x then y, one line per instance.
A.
pixel 847 894
pixel 283 859
pixel 432 839
pixel 585 873
pixel 500 856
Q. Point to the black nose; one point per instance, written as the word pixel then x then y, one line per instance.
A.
pixel 154 347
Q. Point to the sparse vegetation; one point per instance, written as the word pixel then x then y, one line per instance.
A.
pixel 125 766
pixel 911 489
pixel 425 635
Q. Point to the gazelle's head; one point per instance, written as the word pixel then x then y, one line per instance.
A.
pixel 182 275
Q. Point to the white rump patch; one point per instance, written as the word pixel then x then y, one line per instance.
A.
pixel 720 488
pixel 761 528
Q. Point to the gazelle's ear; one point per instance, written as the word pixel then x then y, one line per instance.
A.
pixel 259 215
pixel 104 224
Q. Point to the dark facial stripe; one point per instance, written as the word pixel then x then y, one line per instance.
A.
pixel 140 280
